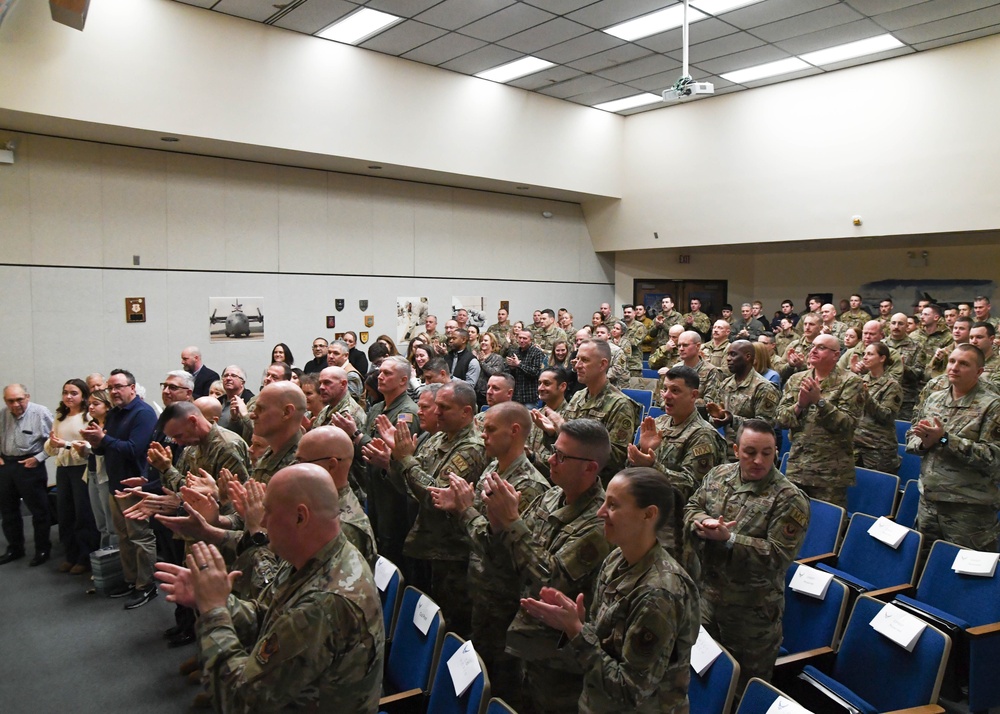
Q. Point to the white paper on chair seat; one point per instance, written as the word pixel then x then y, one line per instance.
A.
pixel 811 582
pixel 464 668
pixel 384 570
pixel 423 613
pixel 975 562
pixel 781 705
pixel 901 627
pixel 705 651
pixel 889 532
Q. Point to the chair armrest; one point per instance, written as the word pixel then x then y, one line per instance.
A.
pixel 409 702
pixel 925 709
pixel 887 594
pixel 803 658
pixel 788 667
pixel 983 630
pixel 812 560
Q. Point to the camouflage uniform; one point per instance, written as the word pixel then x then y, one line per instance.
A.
pixel 618 373
pixel 493 585
pixel 753 398
pixel 356 527
pixel 544 339
pixel 223 449
pixel 855 318
pixel 700 322
pixel 318 640
pixel 539 444
pixel 647 342
pixel 991 372
pixel 661 333
pixel 616 412
pixel 875 444
pixel 821 459
pixel 689 450
pixel 435 536
pixel 958 480
pixel 663 356
pixel 243 424
pixel 502 335
pixel 803 347
pixel 560 545
pixel 782 340
pixel 634 335
pixel 837 329
pixel 743 582
pixel 709 377
pixel 346 404
pixel 909 353
pixel 894 370
pixel 928 345
pixel 636 648
pixel 716 354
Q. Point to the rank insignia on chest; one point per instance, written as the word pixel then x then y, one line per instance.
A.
pixel 267 650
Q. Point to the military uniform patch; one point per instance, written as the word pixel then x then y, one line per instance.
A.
pixel 589 552
pixel 268 649
pixel 701 450
pixel 644 642
pixel 461 465
pixel 791 530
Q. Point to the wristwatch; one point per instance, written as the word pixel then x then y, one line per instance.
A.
pixel 821 403
pixel 943 441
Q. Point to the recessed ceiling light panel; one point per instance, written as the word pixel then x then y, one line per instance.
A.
pixel 869 46
pixel 514 70
pixel 654 23
pixel 763 71
pixel 636 100
pixel 358 26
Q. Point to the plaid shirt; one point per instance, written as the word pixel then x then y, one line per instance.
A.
pixel 533 361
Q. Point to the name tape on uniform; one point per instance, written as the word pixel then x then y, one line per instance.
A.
pixel 901 627
pixel 464 668
pixel 705 652
pixel 423 613
pixel 975 562
pixel 811 582
pixel 384 570
pixel 889 532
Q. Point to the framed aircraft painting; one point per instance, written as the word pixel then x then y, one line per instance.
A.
pixel 235 318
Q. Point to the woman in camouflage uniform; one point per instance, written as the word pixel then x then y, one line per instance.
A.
pixel 875 438
pixel 635 649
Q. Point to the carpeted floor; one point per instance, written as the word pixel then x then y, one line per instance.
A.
pixel 62 650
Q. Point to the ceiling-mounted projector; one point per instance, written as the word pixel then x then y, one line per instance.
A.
pixel 685 87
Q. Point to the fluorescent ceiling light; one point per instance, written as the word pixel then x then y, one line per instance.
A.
pixel 654 23
pixel 515 69
pixel 620 105
pixel 717 7
pixel 358 26
pixel 870 46
pixel 761 71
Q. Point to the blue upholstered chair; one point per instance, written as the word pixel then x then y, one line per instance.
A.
pixel 443 698
pixel 874 493
pixel 867 564
pixel 825 523
pixel 713 692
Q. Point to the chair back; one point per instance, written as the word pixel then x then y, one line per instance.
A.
pixel 655 412
pixel 786 443
pixel 783 468
pixel 974 599
pixel 758 697
pixel 643 397
pixel 499 706
pixel 906 512
pixel 714 691
pixel 909 466
pixel 825 523
pixel 901 428
pixel 808 622
pixel 443 698
pixel 874 493
pixel 391 597
pixel 413 654
pixel 874 562
pixel 882 672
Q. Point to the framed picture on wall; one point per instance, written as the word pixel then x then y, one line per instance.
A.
pixel 233 318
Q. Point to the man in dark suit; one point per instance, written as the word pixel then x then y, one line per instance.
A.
pixel 203 376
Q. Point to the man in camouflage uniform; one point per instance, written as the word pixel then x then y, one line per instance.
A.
pixel 600 400
pixel 715 351
pixel 665 355
pixel 884 315
pixel 855 317
pixel 709 376
pixel 493 585
pixel 618 373
pixel 821 409
pixel 552 384
pixel 316 632
pixel 935 343
pixel 607 317
pixel 697 320
pixel 330 448
pixel 647 322
pixel 870 334
pixel 501 330
pixel 743 395
pixel 748 522
pixel 241 414
pixel 796 355
pixel 635 333
pixel 830 325
pixel 957 434
pixel 455 449
pixel 981 309
pixel 333 390
pixel 668 317
pixel 558 541
pixel 909 353
pixel 981 335
pixel 550 333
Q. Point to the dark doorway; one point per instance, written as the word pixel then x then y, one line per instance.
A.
pixel 712 293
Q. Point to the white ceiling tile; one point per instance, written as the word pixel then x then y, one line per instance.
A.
pixel 742 60
pixel 560 7
pixel 809 22
pixel 876 7
pixel 644 67
pixel 831 37
pixel 198 3
pixel 403 37
pixel 257 10
pixel 768 11
pixel 610 58
pixel 311 17
pixel 930 12
pixel 656 83
pixel 444 48
pixel 550 33
pixel 728 45
pixel 962 37
pixel 402 8
pixel 546 77
pixel 608 94
pixel 507 22
pixel 579 85
pixel 607 13
pixel 453 14
pixel 951 26
pixel 701 31
pixel 484 58
pixel 578 47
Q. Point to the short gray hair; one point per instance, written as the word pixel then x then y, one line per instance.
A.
pixel 185 377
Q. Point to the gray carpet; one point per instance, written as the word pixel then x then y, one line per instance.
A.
pixel 62 650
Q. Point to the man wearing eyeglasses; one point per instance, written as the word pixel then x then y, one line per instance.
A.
pixel 234 381
pixel 822 407
pixel 123 442
pixel 319 361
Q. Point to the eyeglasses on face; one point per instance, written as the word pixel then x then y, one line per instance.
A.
pixel 561 457
pixel 173 387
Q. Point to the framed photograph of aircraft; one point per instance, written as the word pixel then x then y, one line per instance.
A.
pixel 235 318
